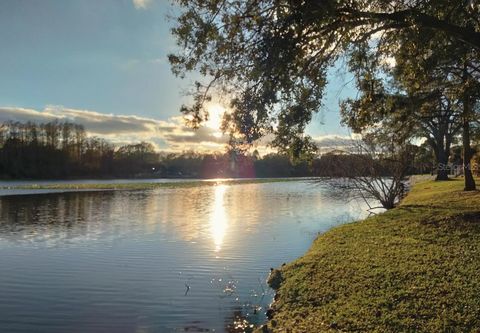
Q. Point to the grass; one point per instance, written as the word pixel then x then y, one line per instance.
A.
pixel 415 268
pixel 143 185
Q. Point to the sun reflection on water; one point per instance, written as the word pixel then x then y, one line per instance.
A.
pixel 218 218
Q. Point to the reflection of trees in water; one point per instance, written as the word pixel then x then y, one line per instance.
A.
pixel 179 214
pixel 51 217
pixel 56 216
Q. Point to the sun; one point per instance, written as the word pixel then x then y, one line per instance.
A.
pixel 215 117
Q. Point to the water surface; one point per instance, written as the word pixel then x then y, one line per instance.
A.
pixel 163 260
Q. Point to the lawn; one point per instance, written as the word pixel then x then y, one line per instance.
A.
pixel 415 268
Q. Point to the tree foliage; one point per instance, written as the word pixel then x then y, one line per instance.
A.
pixel 430 92
pixel 411 100
pixel 270 57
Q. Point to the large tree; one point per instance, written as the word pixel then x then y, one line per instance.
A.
pixel 450 65
pixel 415 103
pixel 270 57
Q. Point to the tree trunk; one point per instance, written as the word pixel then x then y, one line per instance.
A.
pixel 467 155
pixel 467 149
pixel 442 162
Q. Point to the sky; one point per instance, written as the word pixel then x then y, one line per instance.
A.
pixel 104 64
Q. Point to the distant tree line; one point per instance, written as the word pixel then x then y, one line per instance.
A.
pixel 60 150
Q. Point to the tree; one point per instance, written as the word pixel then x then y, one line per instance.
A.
pixel 459 65
pixel 412 102
pixel 63 150
pixel 271 56
pixel 375 169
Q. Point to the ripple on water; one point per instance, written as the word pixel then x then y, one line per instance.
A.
pixel 165 260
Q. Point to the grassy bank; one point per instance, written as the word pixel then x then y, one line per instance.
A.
pixel 144 185
pixel 412 269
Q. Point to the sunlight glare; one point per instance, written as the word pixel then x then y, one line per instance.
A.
pixel 218 219
pixel 216 113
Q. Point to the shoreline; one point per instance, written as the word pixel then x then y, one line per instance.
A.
pixel 413 268
pixel 32 189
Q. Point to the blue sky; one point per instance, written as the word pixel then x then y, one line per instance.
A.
pixel 60 58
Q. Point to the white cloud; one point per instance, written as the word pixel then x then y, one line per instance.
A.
pixel 327 143
pixel 168 135
pixel 141 4
pixel 172 135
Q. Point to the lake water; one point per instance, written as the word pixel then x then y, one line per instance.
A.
pixel 164 260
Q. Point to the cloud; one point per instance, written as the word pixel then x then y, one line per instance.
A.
pixel 141 4
pixel 23 115
pixel 331 142
pixel 170 135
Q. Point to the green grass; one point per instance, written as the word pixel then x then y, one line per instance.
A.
pixel 144 185
pixel 415 268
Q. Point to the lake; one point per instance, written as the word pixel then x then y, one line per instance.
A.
pixel 162 260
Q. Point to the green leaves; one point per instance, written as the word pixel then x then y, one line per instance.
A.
pixel 266 55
